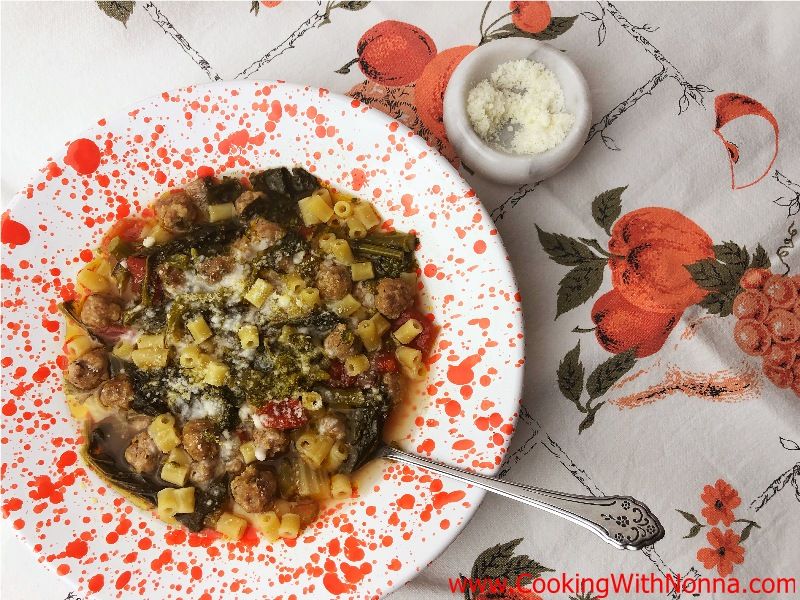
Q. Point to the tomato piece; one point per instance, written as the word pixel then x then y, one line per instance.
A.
pixel 128 230
pixel 385 362
pixel 136 267
pixel 286 414
pixel 424 341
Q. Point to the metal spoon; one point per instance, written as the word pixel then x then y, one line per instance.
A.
pixel 622 521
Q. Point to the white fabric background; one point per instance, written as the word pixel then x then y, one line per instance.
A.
pixel 64 65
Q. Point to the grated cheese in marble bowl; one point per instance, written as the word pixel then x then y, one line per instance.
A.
pixel 520 108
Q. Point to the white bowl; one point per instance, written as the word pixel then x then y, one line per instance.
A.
pixel 401 518
pixel 501 166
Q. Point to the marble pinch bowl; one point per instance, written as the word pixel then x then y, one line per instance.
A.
pixel 504 167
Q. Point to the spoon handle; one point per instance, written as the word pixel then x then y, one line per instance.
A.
pixel 622 521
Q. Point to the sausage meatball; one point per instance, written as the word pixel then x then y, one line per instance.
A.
pixel 253 489
pixel 202 471
pixel 197 190
pixel 215 268
pixel 100 311
pixel 364 292
pixel 393 296
pixel 270 441
pixel 264 233
pixel 177 212
pixel 393 386
pixel 333 281
pixel 88 371
pixel 171 277
pixel 117 393
pixel 200 439
pixel 340 343
pixel 142 454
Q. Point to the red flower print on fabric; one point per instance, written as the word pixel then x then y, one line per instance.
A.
pixel 725 551
pixel 720 501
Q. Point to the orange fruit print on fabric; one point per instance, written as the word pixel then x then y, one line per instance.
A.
pixel 651 247
pixel 429 93
pixel 533 17
pixel 622 326
pixel 394 53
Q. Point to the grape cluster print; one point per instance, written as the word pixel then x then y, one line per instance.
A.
pixel 768 324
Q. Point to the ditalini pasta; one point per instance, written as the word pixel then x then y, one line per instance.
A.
pixel 236 355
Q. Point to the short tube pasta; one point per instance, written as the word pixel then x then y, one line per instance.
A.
pixel 337 455
pixel 174 473
pixel 381 324
pixel 199 329
pixel 408 331
pixel 366 214
pixel 172 501
pixel 258 293
pixel 268 524
pixel 221 212
pixel 290 526
pixel 150 341
pixel 309 296
pixel 79 345
pixel 179 456
pixel 368 333
pixel 311 401
pixel 216 374
pixel 231 526
pixel 191 357
pixel 313 448
pixel 362 271
pixel 294 283
pixel 341 251
pixel 356 365
pixel 410 360
pixel 315 209
pixel 325 242
pixel 343 209
pixel 248 452
pixel 93 281
pixel 150 358
pixel 341 487
pixel 248 336
pixel 122 350
pixel 346 306
pixel 355 228
pixel 163 432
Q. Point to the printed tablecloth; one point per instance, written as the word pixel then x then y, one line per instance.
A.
pixel 658 272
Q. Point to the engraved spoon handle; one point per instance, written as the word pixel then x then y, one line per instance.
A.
pixel 622 521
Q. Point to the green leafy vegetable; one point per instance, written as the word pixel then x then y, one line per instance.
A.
pixel 208 238
pixel 149 392
pixel 225 191
pixel 386 260
pixel 102 457
pixel 206 503
pixel 364 425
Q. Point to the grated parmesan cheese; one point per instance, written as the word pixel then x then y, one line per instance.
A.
pixel 520 108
